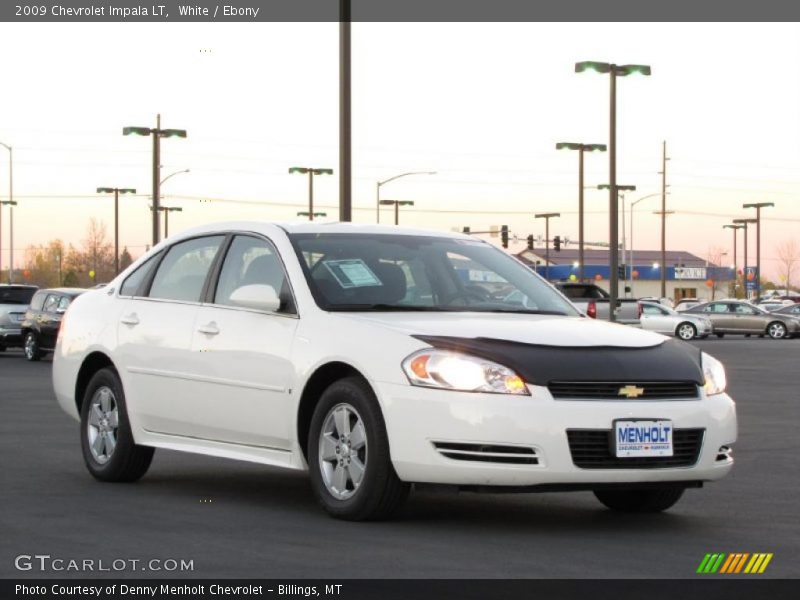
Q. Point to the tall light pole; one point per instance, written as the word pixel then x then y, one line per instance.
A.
pixel 345 117
pixel 546 217
pixel 310 172
pixel 11 205
pixel 735 228
pixel 384 182
pixel 581 148
pixel 621 189
pixel 397 204
pixel 116 192
pixel 663 173
pixel 631 261
pixel 758 206
pixel 156 133
pixel 166 210
pixel 744 223
pixel 613 71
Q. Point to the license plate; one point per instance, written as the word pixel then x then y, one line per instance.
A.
pixel 642 438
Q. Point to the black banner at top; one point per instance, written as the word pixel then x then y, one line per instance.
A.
pixel 399 10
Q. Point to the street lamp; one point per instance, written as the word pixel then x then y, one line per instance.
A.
pixel 385 181
pixel 613 71
pixel 546 217
pixel 171 175
pixel 311 172
pixel 11 205
pixel 397 204
pixel 621 189
pixel 166 210
pixel 735 228
pixel 156 133
pixel 631 262
pixel 581 148
pixel 744 223
pixel 116 192
pixel 758 206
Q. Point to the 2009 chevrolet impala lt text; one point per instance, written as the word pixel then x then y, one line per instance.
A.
pixel 379 358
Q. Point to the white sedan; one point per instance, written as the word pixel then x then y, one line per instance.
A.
pixel 687 326
pixel 369 356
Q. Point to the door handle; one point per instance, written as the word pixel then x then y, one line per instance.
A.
pixel 209 328
pixel 130 319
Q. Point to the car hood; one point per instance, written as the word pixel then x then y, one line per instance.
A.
pixel 541 330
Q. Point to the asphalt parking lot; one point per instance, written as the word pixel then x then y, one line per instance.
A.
pixel 242 520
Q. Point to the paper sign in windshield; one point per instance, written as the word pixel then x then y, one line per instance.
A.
pixel 352 273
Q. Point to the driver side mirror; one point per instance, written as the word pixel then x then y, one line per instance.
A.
pixel 256 296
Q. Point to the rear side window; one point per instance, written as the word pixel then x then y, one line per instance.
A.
pixel 51 303
pixel 182 273
pixel 38 301
pixel 64 303
pixel 134 281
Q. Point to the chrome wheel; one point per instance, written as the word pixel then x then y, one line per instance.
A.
pixel 30 347
pixel 776 330
pixel 103 424
pixel 342 451
pixel 686 331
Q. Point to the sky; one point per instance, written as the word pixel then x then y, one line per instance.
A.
pixel 482 105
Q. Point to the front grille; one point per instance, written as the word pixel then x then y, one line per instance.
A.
pixel 610 390
pixel 593 449
pixel 491 453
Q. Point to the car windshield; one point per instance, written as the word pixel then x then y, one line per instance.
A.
pixel 386 272
pixel 15 295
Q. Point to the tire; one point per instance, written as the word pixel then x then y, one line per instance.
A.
pixel 639 501
pixel 31 347
pixel 720 335
pixel 686 331
pixel 350 404
pixel 777 330
pixel 103 406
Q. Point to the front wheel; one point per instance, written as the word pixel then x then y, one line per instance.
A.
pixel 776 330
pixel 108 448
pixel 720 335
pixel 31 347
pixel 348 455
pixel 686 331
pixel 639 501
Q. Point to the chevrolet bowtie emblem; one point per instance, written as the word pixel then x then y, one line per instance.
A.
pixel 630 391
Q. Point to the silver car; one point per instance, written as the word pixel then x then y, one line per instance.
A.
pixel 14 301
pixel 740 317
pixel 662 319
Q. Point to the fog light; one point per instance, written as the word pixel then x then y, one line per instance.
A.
pixel 725 453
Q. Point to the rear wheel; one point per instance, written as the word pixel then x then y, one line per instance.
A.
pixel 639 501
pixel 720 335
pixel 109 451
pixel 686 331
pixel 776 330
pixel 348 455
pixel 31 347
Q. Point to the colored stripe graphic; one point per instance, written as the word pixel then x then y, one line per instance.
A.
pixel 734 563
pixel 741 562
pixel 730 563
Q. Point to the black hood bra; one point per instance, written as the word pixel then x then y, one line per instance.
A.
pixel 671 360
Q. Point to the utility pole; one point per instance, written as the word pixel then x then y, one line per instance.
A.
pixel 745 223
pixel 734 228
pixel 547 217
pixel 758 206
pixel 345 120
pixel 664 160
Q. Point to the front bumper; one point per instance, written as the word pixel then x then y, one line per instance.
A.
pixel 10 337
pixel 416 418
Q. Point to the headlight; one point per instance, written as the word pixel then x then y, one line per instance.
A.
pixel 454 371
pixel 714 372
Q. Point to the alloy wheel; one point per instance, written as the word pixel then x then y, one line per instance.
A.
pixel 30 346
pixel 103 424
pixel 686 331
pixel 343 451
pixel 777 331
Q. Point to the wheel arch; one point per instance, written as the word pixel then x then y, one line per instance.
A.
pixel 93 362
pixel 318 382
pixel 777 322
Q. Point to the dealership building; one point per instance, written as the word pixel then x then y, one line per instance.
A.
pixel 687 275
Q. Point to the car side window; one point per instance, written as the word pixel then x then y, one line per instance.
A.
pixel 51 303
pixel 253 261
pixel 717 308
pixel 64 303
pixel 134 281
pixel 182 274
pixel 38 301
pixel 741 309
pixel 651 310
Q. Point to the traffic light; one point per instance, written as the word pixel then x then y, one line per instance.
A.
pixel 504 235
pixel 466 230
pixel 621 271
pixel 530 242
pixel 557 243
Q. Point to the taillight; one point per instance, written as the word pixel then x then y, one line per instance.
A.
pixel 638 310
pixel 591 309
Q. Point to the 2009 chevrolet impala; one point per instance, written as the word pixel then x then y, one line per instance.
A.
pixel 377 358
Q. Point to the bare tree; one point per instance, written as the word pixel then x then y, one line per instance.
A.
pixel 789 261
pixel 714 257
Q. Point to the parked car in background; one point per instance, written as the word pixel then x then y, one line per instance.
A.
pixel 792 310
pixel 14 301
pixel 687 303
pixel 593 301
pixel 661 319
pixel 740 317
pixel 772 306
pixel 43 320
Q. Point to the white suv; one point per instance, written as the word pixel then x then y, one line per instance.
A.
pixel 379 357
